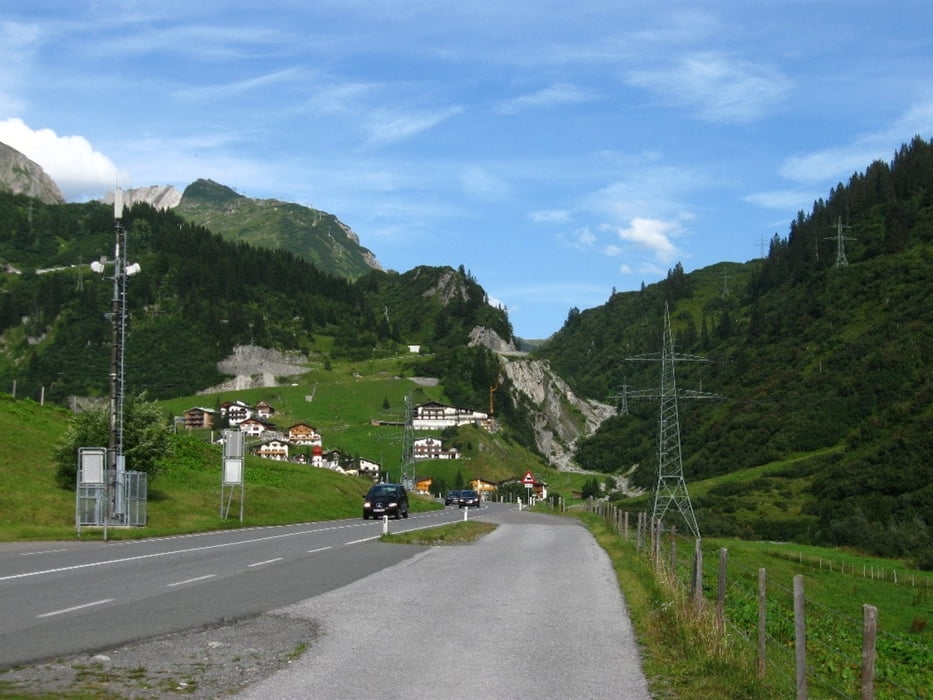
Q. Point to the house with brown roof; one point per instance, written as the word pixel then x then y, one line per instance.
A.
pixel 304 434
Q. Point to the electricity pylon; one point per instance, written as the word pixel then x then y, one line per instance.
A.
pixel 671 488
pixel 841 239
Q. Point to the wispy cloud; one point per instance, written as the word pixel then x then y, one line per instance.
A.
pixel 480 183
pixel 386 126
pixel 554 95
pixel 785 200
pixel 720 88
pixel 18 41
pixel 550 216
pixel 238 87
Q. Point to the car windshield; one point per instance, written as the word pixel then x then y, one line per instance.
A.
pixel 376 491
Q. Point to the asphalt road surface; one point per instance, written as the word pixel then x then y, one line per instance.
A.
pixel 65 598
pixel 532 610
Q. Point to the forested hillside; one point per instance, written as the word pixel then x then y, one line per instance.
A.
pixel 197 297
pixel 809 352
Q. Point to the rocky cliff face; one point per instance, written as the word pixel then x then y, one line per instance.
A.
pixel 158 196
pixel 20 175
pixel 559 416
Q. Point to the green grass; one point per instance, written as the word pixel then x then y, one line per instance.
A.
pixel 186 497
pixel 687 656
pixel 453 534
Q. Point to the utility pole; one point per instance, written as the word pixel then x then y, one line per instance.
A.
pixel 671 488
pixel 408 446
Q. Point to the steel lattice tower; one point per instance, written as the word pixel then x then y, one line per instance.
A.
pixel 841 239
pixel 671 489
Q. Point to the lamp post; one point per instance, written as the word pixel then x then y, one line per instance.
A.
pixel 115 458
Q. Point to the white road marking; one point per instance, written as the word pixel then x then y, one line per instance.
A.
pixel 263 563
pixel 190 580
pixel 76 607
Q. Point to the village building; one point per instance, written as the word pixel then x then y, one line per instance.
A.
pixel 235 412
pixel 264 411
pixel 432 448
pixel 272 449
pixel 304 434
pixel 199 417
pixel 255 428
pixel 437 416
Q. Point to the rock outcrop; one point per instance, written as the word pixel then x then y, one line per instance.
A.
pixel 559 416
pixel 252 367
pixel 20 175
pixel 158 196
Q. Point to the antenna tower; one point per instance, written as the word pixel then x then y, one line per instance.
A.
pixel 671 488
pixel 841 239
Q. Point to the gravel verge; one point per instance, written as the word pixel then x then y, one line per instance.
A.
pixel 206 662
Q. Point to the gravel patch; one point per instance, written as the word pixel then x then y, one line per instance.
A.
pixel 206 662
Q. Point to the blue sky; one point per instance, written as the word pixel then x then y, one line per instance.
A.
pixel 556 150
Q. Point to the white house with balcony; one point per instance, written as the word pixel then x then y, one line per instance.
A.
pixel 437 416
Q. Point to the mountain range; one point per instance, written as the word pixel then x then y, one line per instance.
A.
pixel 815 359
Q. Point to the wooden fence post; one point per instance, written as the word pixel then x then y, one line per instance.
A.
pixel 626 526
pixel 673 551
pixel 697 574
pixel 762 621
pixel 800 638
pixel 869 635
pixel 721 590
pixel 657 542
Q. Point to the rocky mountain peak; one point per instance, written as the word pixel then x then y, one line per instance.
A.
pixel 157 196
pixel 20 175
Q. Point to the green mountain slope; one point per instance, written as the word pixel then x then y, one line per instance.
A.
pixel 810 356
pixel 313 235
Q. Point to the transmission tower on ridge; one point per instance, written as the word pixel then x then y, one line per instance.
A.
pixel 671 488
pixel 841 239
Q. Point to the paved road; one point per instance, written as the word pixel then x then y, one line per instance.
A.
pixel 70 597
pixel 532 610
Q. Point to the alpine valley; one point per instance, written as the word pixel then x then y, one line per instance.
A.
pixel 814 359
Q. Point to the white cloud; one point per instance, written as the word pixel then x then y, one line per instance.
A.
pixel 721 89
pixel 78 170
pixel 653 235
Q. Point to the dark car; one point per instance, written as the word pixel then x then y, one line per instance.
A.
pixel 468 498
pixel 386 499
pixel 452 497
